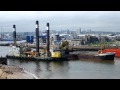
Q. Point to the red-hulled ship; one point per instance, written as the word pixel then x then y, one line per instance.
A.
pixel 116 51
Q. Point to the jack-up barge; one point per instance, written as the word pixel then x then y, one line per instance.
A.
pixel 50 53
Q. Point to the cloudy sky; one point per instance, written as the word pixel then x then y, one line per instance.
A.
pixel 61 20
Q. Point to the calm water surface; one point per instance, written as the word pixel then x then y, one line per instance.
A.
pixel 79 69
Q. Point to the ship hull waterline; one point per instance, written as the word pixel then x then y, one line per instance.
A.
pixel 67 57
pixel 3 60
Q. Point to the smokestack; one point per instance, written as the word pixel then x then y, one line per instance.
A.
pixel 48 43
pixel 37 38
pixel 14 34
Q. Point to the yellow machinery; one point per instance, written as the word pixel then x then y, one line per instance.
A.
pixel 56 54
pixel 33 53
pixel 29 54
pixel 64 45
pixel 27 51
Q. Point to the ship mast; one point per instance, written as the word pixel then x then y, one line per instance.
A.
pixel 100 44
pixel 1 34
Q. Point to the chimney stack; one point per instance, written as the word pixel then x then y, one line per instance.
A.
pixel 14 34
pixel 48 41
pixel 37 38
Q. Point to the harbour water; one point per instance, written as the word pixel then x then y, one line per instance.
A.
pixel 77 69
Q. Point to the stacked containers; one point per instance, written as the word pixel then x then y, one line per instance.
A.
pixel 29 39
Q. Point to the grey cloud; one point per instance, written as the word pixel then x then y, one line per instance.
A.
pixel 94 20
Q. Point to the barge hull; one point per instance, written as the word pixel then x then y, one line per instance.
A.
pixel 66 58
pixel 89 57
pixel 3 60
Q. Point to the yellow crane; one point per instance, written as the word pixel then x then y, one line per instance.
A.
pixel 64 45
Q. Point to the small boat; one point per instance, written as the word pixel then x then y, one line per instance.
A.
pixel 106 56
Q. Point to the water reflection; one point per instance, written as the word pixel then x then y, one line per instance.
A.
pixel 109 62
pixel 48 68
pixel 76 69
pixel 38 68
pixel 70 69
pixel 60 66
pixel 43 69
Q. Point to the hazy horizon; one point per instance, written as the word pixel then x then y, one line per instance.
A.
pixel 107 21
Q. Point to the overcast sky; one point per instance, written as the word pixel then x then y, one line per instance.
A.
pixel 61 20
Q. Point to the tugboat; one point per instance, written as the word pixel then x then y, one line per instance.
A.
pixel 105 55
